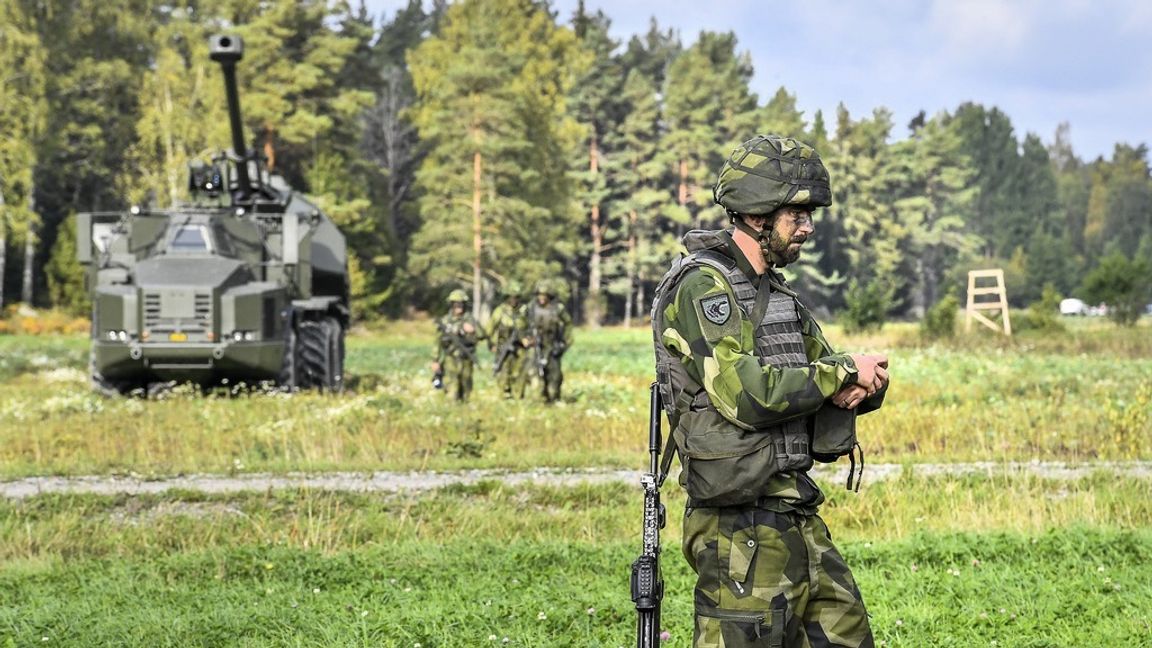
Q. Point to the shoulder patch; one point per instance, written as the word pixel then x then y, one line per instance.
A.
pixel 716 309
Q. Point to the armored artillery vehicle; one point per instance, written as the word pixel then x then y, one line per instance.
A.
pixel 247 282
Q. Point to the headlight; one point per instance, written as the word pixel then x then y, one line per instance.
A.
pixel 243 336
pixel 117 336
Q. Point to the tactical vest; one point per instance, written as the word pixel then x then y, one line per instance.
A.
pixel 723 463
pixel 545 321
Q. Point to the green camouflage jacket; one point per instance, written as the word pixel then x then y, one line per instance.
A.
pixel 451 340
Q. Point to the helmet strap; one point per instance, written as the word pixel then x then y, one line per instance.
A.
pixel 763 237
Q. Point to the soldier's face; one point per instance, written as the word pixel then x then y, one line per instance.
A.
pixel 542 298
pixel 790 230
pixel 458 308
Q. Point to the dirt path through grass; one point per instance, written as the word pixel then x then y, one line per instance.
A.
pixel 422 481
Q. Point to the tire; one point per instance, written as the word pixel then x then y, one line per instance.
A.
pixel 335 338
pixel 288 378
pixel 321 355
pixel 104 386
pixel 313 358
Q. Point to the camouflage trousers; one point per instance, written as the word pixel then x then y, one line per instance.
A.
pixel 512 378
pixel 770 579
pixel 458 377
pixel 552 380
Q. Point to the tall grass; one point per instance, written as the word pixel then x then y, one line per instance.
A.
pixel 1017 400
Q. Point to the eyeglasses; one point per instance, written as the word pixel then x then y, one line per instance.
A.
pixel 801 217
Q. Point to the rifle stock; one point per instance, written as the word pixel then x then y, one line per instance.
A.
pixel 647 581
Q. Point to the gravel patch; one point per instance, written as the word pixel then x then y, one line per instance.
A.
pixel 416 481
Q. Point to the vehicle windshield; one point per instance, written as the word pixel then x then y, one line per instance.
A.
pixel 190 239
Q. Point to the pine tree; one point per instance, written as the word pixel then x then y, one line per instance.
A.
pixel 596 106
pixel 710 110
pixel 391 143
pixel 182 108
pixel 22 122
pixel 934 186
pixel 491 86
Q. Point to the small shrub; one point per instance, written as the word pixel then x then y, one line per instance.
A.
pixel 1123 284
pixel 1042 315
pixel 866 306
pixel 939 322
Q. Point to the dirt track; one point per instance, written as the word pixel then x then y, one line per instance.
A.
pixel 394 482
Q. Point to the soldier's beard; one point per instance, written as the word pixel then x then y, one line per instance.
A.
pixel 780 251
pixel 776 250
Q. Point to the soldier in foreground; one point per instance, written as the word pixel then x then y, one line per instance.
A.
pixel 456 336
pixel 507 339
pixel 550 326
pixel 754 393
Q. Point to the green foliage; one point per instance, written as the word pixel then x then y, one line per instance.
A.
pixel 1122 284
pixel 492 83
pixel 115 97
pixel 866 306
pixel 939 321
pixel 1042 315
pixel 65 275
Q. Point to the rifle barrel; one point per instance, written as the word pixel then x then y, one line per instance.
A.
pixel 654 436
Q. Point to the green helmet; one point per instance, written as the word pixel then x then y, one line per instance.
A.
pixel 768 172
pixel 513 288
pixel 458 295
pixel 544 287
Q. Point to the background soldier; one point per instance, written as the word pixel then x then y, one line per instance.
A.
pixel 508 341
pixel 456 336
pixel 752 390
pixel 550 326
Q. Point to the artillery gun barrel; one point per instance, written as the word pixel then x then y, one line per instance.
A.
pixel 226 49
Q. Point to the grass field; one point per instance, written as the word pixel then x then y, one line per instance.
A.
pixel 1006 560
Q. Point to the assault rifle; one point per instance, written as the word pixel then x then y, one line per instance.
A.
pixel 506 350
pixel 541 361
pixel 458 344
pixel 647 581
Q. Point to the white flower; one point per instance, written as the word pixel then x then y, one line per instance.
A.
pixel 541 616
pixel 491 637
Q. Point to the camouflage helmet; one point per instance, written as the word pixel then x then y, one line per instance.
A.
pixel 457 295
pixel 768 172
pixel 545 287
pixel 513 288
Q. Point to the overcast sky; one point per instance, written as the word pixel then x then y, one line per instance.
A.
pixel 1042 62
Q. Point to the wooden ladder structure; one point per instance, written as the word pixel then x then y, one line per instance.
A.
pixel 1000 305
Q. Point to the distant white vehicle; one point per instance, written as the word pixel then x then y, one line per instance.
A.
pixel 1073 306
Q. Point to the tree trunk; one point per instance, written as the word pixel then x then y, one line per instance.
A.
pixel 169 149
pixel 682 192
pixel 3 244
pixel 592 305
pixel 633 217
pixel 477 233
pixel 29 254
pixel 640 297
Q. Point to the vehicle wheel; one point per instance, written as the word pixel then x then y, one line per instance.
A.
pixel 335 336
pixel 104 386
pixel 288 378
pixel 315 355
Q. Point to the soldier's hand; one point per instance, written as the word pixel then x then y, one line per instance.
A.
pixel 435 367
pixel 468 328
pixel 850 397
pixel 871 371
